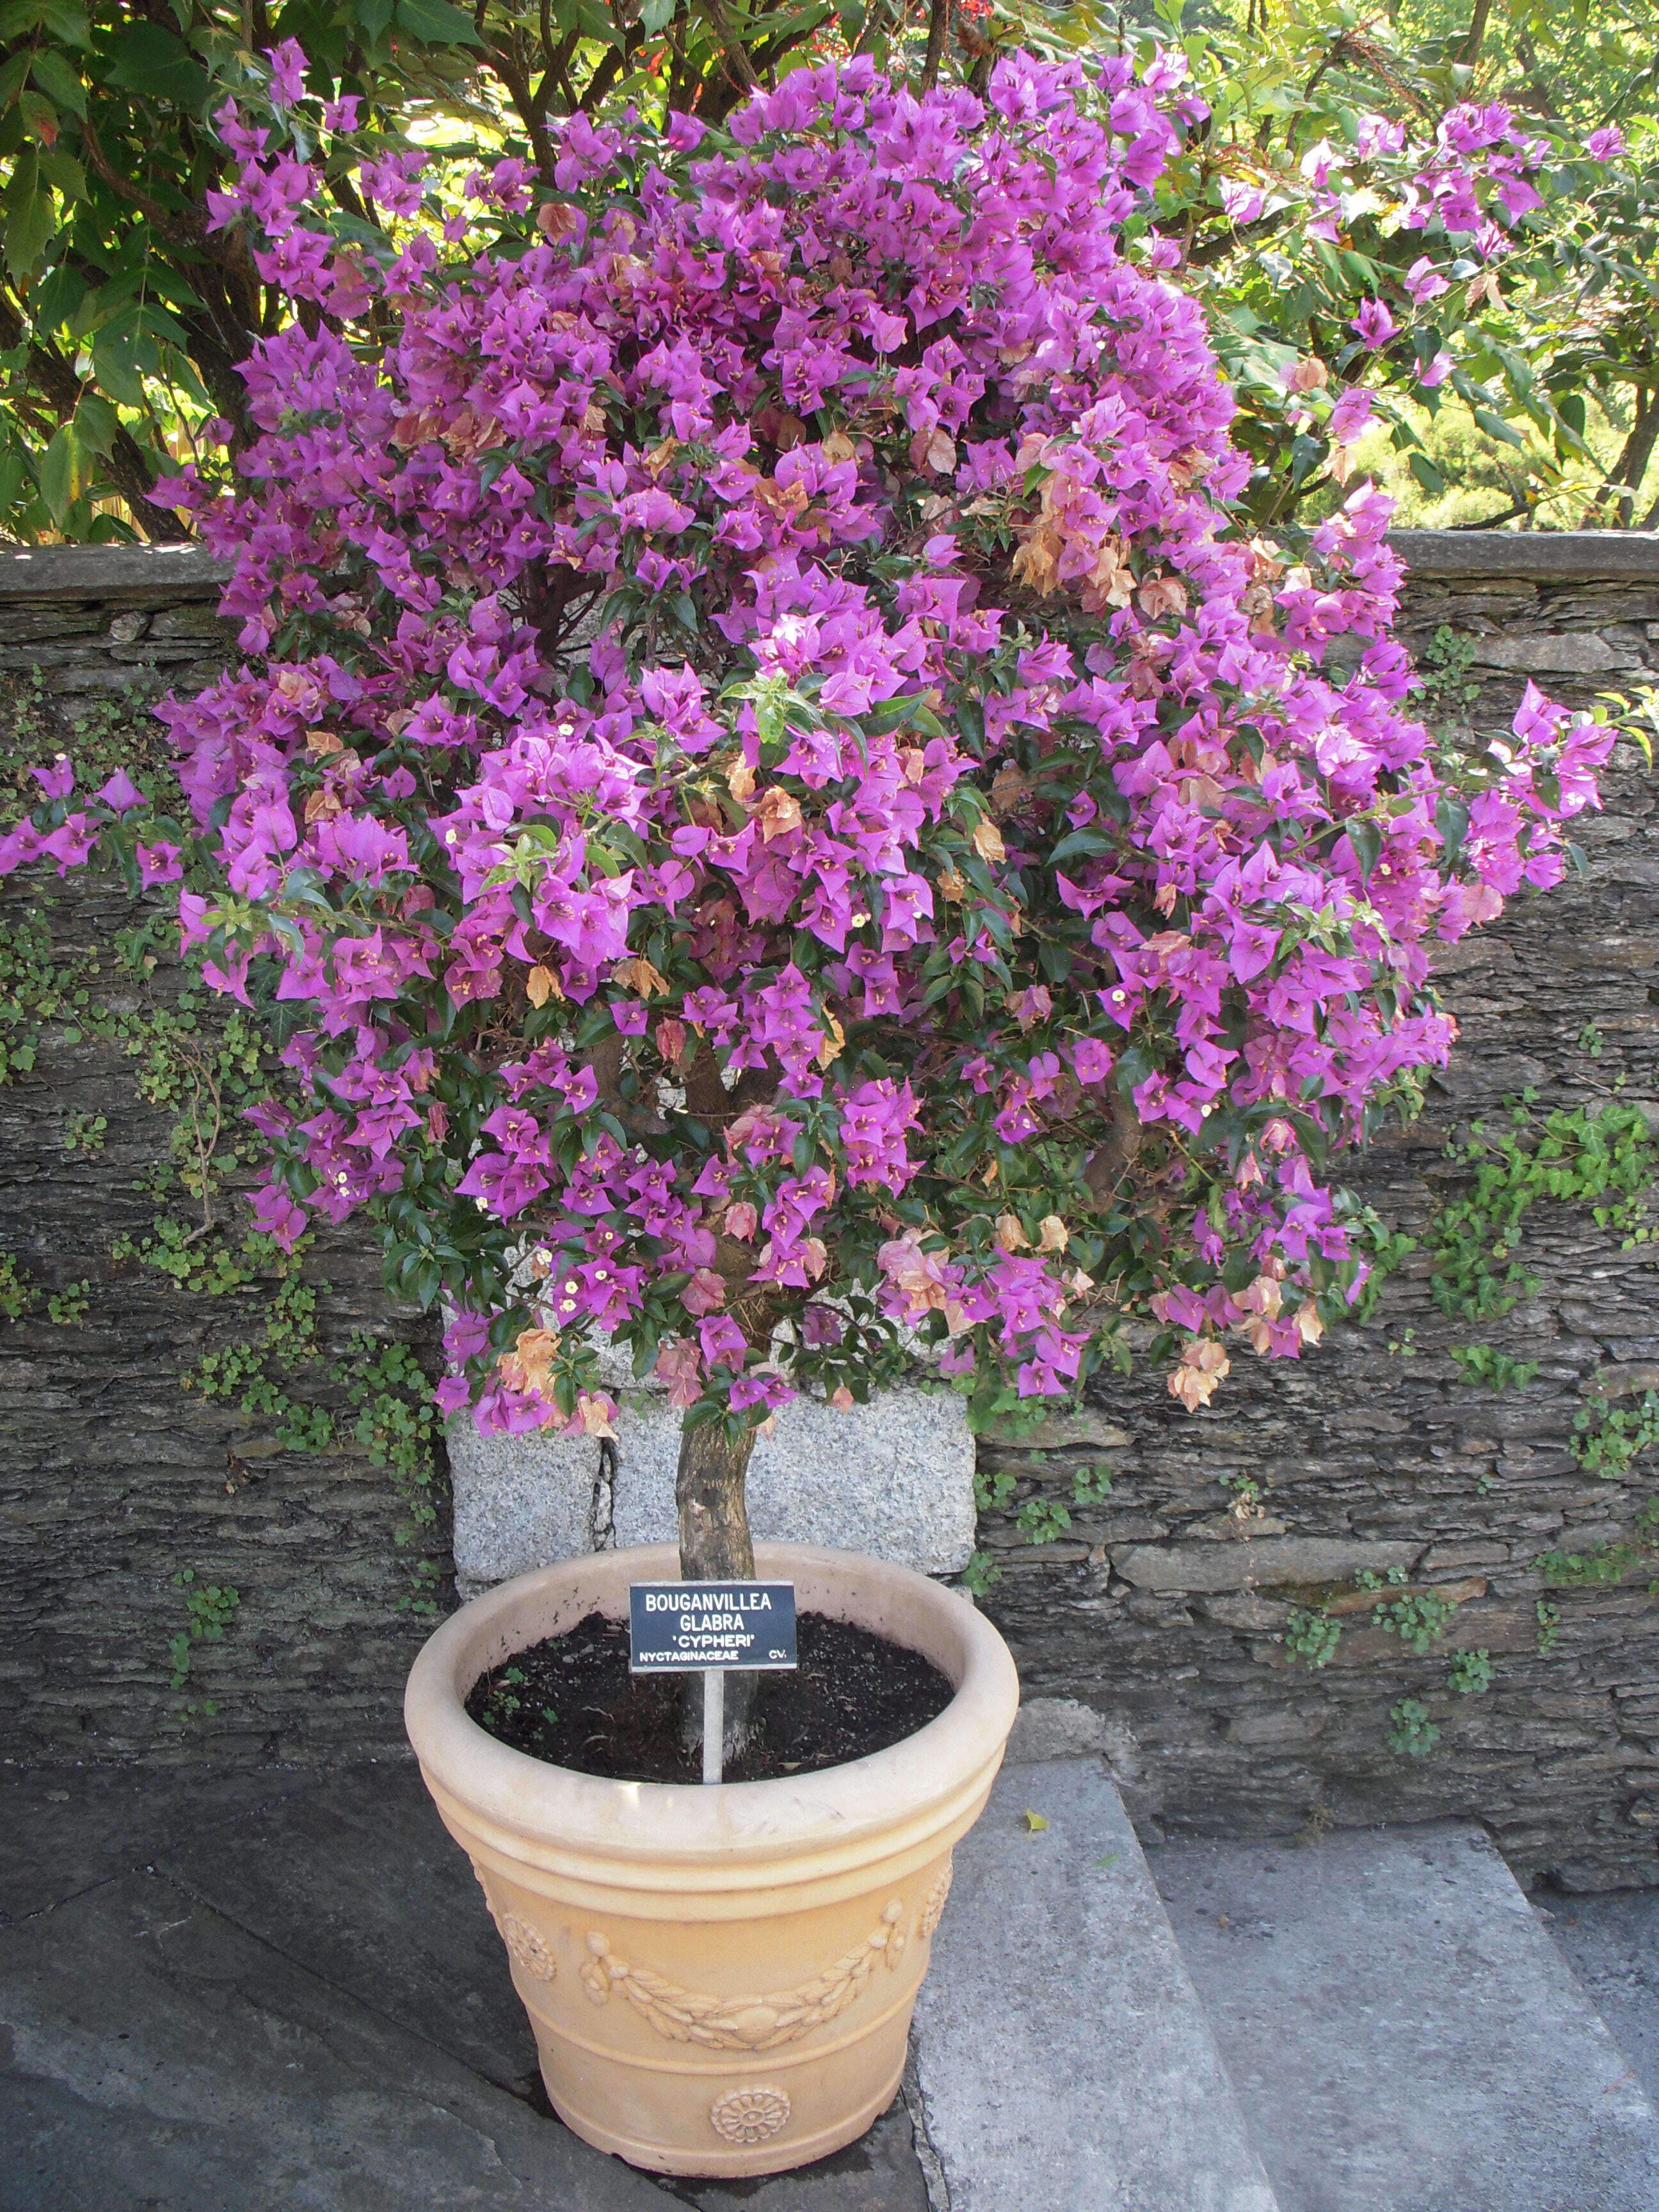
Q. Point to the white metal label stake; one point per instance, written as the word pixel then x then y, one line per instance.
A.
pixel 713 1722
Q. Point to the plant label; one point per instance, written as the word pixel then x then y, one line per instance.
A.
pixel 679 1628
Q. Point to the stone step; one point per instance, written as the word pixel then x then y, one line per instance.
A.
pixel 1401 2031
pixel 1612 1944
pixel 1063 2060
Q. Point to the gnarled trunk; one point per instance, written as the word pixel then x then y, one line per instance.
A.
pixel 715 1544
pixel 708 1492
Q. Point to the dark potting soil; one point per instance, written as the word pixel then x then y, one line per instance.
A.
pixel 571 1700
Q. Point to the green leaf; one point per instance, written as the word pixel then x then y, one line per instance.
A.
pixel 96 423
pixel 1134 1066
pixel 59 167
pixel 1496 427
pixel 1367 842
pixel 1035 1823
pixel 1451 819
pixel 112 364
pixel 64 21
pixel 645 1352
pixel 1078 841
pixel 39 118
pixel 30 212
pixel 436 23
pixel 56 297
pixel 63 473
pixel 1427 474
pixel 152 62
pixel 59 82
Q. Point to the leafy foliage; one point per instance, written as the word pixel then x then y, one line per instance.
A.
pixel 1602 1563
pixel 18 1295
pixel 210 1608
pixel 1608 1438
pixel 1419 1619
pixel 1471 1674
pixel 1312 1637
pixel 1296 208
pixel 128 305
pixel 1498 1371
pixel 1411 1733
pixel 1605 1159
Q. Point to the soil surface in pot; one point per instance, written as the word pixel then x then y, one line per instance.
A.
pixel 571 1700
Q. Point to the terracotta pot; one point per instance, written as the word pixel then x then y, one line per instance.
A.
pixel 720 1979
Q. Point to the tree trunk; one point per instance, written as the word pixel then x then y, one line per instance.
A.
pixel 714 1545
pixel 1630 468
pixel 708 1492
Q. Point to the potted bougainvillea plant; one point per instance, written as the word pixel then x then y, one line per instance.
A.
pixel 785 819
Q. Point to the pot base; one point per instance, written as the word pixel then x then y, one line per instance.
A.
pixel 790 2149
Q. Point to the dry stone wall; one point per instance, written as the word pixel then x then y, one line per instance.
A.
pixel 1155 1625
pixel 113 1479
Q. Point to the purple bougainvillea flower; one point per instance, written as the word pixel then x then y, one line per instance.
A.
pixel 783 810
pixel 1374 325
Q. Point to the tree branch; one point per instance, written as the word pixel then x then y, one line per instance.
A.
pixel 1632 465
pixel 610 69
pixel 939 29
pixel 517 81
pixel 772 51
pixel 1477 32
pixel 739 70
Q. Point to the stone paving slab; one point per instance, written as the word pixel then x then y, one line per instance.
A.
pixel 161 2055
pixel 1064 2061
pixel 1402 2032
pixel 359 1881
pixel 1612 1944
pixel 61 1829
pixel 291 1998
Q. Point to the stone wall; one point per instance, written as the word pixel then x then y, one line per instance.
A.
pixel 113 1479
pixel 1153 1624
pixel 1161 1614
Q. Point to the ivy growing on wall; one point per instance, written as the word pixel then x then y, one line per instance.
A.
pixel 1604 1160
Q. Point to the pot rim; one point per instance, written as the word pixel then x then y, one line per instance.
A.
pixel 919 1780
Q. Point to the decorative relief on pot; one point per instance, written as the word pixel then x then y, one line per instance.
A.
pixel 749 2116
pixel 524 1943
pixel 932 1910
pixel 528 1946
pixel 893 1949
pixel 744 2023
